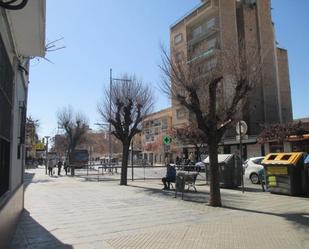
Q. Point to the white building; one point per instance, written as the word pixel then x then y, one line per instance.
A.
pixel 22 36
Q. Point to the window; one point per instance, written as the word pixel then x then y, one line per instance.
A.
pixel 157 122
pixel 211 23
pixel 164 124
pixel 212 63
pixel 179 57
pixel 178 39
pixel 212 43
pixel 258 161
pixel 180 113
pixel 197 31
pixel 6 98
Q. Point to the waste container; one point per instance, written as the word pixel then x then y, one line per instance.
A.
pixel 284 172
pixel 230 170
pixel 305 175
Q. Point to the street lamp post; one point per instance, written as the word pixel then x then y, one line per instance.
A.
pixel 111 79
pixel 47 137
pixel 132 159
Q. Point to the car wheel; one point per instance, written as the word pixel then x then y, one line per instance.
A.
pixel 254 178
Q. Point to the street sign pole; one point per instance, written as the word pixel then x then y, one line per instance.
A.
pixel 242 172
pixel 166 141
pixel 241 129
pixel 132 161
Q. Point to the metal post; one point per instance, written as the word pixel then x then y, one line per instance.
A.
pixel 242 171
pixel 144 171
pixel 132 160
pixel 47 137
pixel 110 116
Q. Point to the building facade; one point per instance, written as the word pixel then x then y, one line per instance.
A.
pixel 31 139
pixel 22 36
pixel 293 143
pixel 239 24
pixel 154 127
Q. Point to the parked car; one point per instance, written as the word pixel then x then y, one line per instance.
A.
pixel 200 166
pixel 252 167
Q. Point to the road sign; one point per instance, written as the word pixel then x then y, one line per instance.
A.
pixel 241 127
pixel 167 139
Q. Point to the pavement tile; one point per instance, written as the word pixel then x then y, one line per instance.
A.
pixel 67 212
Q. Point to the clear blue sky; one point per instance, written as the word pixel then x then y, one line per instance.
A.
pixel 125 35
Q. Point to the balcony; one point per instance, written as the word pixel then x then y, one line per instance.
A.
pixel 203 55
pixel 192 13
pixel 203 36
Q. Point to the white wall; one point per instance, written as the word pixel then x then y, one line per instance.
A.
pixel 17 164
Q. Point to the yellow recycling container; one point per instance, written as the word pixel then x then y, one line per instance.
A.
pixel 284 172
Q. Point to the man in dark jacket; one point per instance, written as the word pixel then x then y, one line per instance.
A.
pixel 59 165
pixel 170 176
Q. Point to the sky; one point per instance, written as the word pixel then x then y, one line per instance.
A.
pixel 126 36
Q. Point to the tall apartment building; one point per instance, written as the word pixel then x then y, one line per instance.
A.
pixel 240 24
pixel 22 36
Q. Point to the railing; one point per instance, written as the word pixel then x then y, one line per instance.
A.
pixel 208 3
pixel 204 35
pixel 104 172
pixel 202 55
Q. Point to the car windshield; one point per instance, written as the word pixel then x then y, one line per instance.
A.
pixel 258 160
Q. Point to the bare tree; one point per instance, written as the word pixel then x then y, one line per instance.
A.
pixel 131 101
pixel 212 93
pixel 190 134
pixel 280 132
pixel 75 126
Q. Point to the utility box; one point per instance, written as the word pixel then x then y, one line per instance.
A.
pixel 284 172
pixel 230 170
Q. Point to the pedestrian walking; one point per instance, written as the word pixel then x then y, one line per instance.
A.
pixel 59 165
pixel 191 158
pixel 66 166
pixel 50 165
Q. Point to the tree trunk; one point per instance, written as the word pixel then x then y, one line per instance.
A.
pixel 215 196
pixel 72 169
pixel 197 155
pixel 124 164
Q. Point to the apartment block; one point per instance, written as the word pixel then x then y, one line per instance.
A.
pixel 154 127
pixel 244 25
pixel 221 24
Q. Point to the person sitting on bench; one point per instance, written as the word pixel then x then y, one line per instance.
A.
pixel 170 176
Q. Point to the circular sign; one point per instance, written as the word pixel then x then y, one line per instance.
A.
pixel 167 139
pixel 241 127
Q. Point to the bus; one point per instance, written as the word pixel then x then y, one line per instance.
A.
pixel 79 158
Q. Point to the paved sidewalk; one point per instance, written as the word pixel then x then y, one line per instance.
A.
pixel 65 212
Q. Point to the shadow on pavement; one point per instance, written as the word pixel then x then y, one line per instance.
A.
pixel 299 219
pixel 30 234
pixel 233 201
pixel 28 179
pixel 192 196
